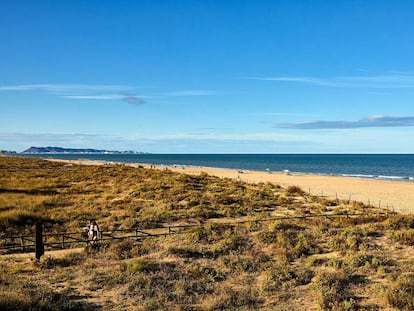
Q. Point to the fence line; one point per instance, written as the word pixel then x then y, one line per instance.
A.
pixel 62 240
pixel 350 197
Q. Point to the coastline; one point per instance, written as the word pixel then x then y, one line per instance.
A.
pixel 396 196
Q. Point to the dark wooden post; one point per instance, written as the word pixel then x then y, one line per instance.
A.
pixel 40 248
pixel 22 243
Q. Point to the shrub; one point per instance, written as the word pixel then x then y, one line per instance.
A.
pixel 140 265
pixel 281 275
pixel 366 260
pixel 18 218
pixel 244 299
pixel 397 222
pixel 186 252
pixel 37 297
pixel 70 259
pixel 210 232
pixel 401 293
pixel 403 236
pixel 234 242
pixel 11 301
pixel 347 240
pixel 295 190
pixel 333 291
pixel 123 249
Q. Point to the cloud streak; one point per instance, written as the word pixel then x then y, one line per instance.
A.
pixel 191 93
pixel 379 81
pixel 65 87
pixel 372 121
pixel 133 99
pixel 82 139
pixel 97 97
pixel 119 92
pixel 128 98
pixel 161 143
pixel 71 91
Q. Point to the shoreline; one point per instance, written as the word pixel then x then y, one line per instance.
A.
pixel 393 195
pixel 365 174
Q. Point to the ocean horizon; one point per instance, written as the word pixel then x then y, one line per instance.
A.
pixel 374 166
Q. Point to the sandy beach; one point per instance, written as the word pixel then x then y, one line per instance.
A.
pixel 392 195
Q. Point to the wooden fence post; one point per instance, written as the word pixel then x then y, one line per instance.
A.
pixel 22 243
pixel 40 248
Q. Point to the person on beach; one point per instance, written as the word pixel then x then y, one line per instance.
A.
pixel 93 232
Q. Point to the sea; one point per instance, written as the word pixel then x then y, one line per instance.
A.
pixel 399 167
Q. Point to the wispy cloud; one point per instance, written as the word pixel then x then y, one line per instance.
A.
pixel 397 80
pixel 188 141
pixel 372 121
pixel 133 99
pixel 214 136
pixel 97 97
pixel 191 93
pixel 66 87
pixel 289 114
pixel 87 91
pixel 22 141
pixel 120 92
pixel 128 98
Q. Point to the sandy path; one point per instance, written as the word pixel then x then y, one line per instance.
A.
pixel 394 195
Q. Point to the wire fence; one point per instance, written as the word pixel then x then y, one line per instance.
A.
pixel 351 197
pixel 347 197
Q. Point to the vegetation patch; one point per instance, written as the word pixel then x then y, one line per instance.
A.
pixel 231 245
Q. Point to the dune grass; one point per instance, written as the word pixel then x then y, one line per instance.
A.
pixel 347 263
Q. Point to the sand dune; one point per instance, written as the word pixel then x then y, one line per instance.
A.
pixel 392 195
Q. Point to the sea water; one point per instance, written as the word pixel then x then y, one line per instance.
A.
pixel 378 166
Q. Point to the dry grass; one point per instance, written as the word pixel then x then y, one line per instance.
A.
pixel 343 263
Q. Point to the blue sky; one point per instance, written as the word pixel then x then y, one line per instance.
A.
pixel 208 76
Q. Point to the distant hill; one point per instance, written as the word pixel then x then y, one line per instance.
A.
pixel 7 152
pixel 56 150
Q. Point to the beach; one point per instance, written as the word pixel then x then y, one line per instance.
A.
pixel 395 196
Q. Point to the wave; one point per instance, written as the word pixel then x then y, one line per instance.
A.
pixel 359 175
pixel 381 177
pixel 393 177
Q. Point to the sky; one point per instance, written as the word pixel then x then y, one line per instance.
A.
pixel 208 76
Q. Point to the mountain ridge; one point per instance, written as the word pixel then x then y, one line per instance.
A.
pixel 60 150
